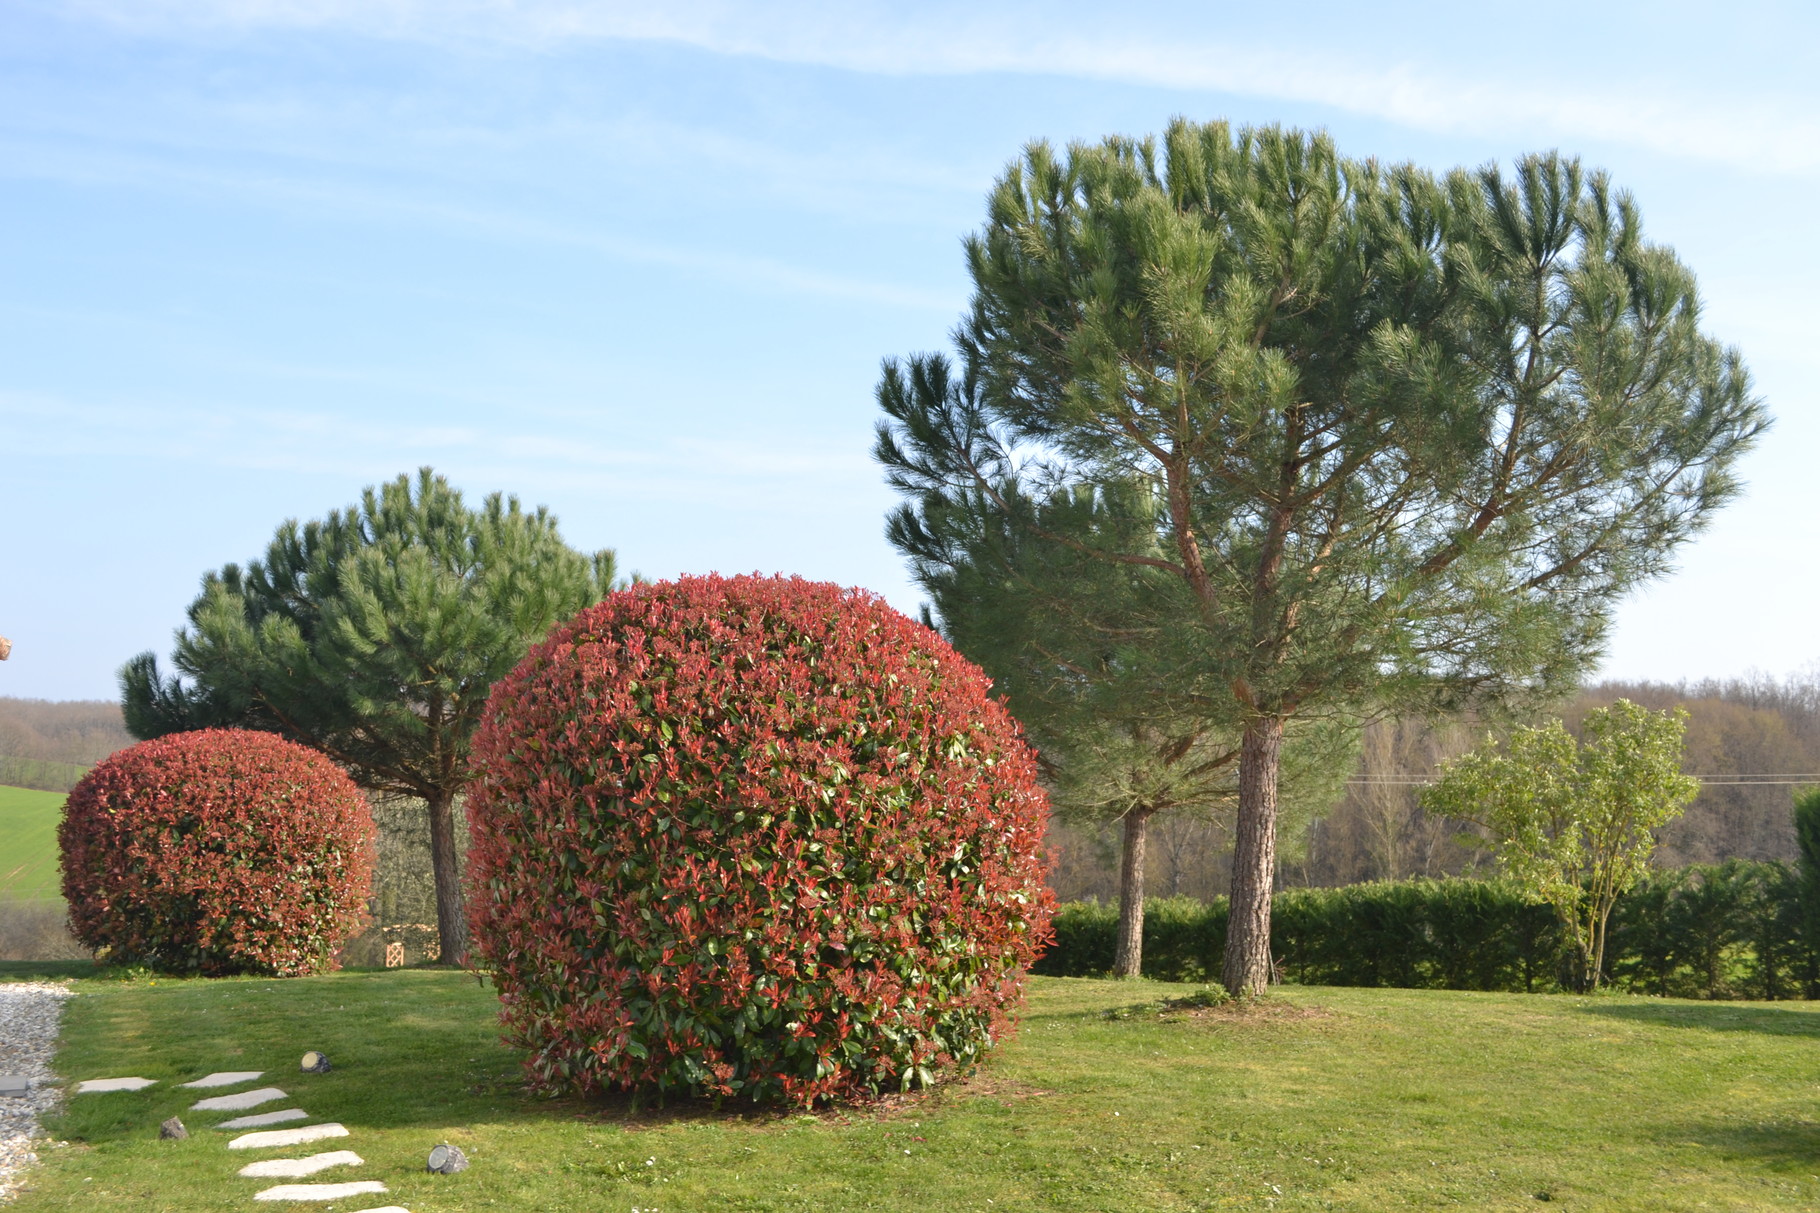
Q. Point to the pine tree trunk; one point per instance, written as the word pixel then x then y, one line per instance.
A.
pixel 1128 957
pixel 1246 970
pixel 451 923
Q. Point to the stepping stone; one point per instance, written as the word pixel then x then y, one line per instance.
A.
pixel 261 1119
pixel 297 1168
pixel 225 1078
pixel 359 1187
pixel 240 1102
pixel 91 1086
pixel 286 1137
pixel 14 1084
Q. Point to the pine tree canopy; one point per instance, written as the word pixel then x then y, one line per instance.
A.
pixel 1349 437
pixel 1090 653
pixel 374 635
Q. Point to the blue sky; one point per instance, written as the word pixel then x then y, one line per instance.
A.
pixel 640 264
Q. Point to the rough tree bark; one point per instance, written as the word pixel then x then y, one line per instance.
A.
pixel 1247 968
pixel 451 922
pixel 1128 957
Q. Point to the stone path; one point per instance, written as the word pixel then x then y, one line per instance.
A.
pixel 97 1086
pixel 286 1137
pixel 297 1168
pixel 29 1012
pixel 260 1119
pixel 225 1078
pixel 326 1192
pixel 271 1168
pixel 240 1102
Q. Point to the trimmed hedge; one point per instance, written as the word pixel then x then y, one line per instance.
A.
pixel 1729 930
pixel 216 852
pixel 754 838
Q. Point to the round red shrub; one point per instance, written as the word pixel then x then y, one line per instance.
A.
pixel 752 837
pixel 216 852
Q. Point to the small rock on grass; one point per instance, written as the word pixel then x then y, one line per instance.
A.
pixel 446 1160
pixel 172 1130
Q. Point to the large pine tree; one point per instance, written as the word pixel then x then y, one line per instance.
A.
pixel 1082 648
pixel 1402 441
pixel 375 635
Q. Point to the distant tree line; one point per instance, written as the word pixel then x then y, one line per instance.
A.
pixel 1739 727
pixel 1750 726
pixel 1376 831
pixel 48 745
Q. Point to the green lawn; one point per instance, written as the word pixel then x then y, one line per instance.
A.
pixel 1328 1099
pixel 28 844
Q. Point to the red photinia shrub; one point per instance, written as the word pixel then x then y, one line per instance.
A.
pixel 752 837
pixel 215 852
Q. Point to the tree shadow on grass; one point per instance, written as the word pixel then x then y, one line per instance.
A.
pixel 635 1113
pixel 1206 1004
pixel 1785 1145
pixel 45 970
pixel 410 1049
pixel 1769 1020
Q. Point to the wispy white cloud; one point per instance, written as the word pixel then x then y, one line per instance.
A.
pixel 1715 121
pixel 733 470
pixel 329 196
pixel 462 136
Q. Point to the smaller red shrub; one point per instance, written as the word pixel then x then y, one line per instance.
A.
pixel 216 852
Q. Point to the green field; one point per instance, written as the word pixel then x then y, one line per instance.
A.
pixel 28 844
pixel 1324 1099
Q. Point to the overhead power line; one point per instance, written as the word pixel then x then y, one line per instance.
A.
pixel 1709 781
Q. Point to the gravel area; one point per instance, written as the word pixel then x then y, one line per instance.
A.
pixel 29 1012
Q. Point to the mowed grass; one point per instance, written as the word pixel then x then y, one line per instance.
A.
pixel 28 844
pixel 1323 1099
